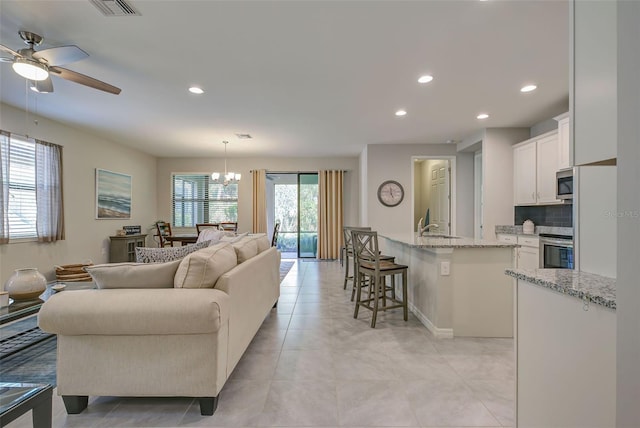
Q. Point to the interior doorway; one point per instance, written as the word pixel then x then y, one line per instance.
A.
pixel 292 200
pixel 432 193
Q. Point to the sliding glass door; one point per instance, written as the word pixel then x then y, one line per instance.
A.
pixel 292 200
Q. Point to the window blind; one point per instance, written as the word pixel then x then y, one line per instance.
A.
pixel 196 198
pixel 22 211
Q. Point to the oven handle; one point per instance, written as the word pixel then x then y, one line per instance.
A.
pixel 559 242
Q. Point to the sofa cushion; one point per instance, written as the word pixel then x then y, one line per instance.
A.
pixel 134 275
pixel 245 248
pixel 232 237
pixel 202 268
pixel 167 254
pixel 263 242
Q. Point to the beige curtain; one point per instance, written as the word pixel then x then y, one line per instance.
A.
pixel 49 200
pixel 259 178
pixel 330 214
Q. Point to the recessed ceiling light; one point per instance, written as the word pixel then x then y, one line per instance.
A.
pixel 528 88
pixel 482 116
pixel 425 79
pixel 401 113
pixel 196 90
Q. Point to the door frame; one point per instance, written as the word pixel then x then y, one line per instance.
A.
pixel 452 189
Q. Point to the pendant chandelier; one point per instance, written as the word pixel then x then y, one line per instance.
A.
pixel 228 177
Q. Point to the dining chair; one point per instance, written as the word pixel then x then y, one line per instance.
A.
pixel 164 232
pixel 274 237
pixel 229 226
pixel 201 226
pixel 369 264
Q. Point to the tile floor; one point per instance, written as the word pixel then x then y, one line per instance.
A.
pixel 313 364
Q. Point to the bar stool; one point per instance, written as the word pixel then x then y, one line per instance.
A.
pixel 348 251
pixel 368 263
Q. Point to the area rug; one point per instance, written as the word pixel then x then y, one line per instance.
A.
pixel 285 267
pixel 37 364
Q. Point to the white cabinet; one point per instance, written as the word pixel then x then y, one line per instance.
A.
pixel 566 360
pixel 527 255
pixel 595 81
pixel 564 141
pixel 535 163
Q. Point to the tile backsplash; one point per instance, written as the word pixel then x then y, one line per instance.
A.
pixel 545 215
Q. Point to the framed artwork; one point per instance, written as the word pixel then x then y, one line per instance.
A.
pixel 113 195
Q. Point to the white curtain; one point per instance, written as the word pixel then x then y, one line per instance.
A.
pixel 49 201
pixel 259 178
pixel 4 191
pixel 330 214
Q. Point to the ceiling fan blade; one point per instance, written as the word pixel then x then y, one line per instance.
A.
pixel 41 86
pixel 61 55
pixel 3 59
pixel 9 50
pixel 84 80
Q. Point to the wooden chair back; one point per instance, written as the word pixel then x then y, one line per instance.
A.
pixel 201 226
pixel 164 231
pixel 229 226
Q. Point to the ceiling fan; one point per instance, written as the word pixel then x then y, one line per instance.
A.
pixel 39 66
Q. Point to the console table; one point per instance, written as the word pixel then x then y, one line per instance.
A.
pixel 123 248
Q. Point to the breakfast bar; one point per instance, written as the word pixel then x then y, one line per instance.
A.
pixel 457 285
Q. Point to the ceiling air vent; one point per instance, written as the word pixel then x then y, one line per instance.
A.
pixel 244 136
pixel 115 8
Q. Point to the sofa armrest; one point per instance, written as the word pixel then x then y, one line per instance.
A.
pixel 135 312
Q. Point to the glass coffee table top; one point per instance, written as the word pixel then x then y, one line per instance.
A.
pixel 12 394
pixel 18 398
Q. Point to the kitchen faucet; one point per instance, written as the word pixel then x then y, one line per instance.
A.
pixel 427 228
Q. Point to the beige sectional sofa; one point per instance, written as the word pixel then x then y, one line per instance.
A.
pixel 174 329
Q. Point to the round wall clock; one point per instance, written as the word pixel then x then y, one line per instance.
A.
pixel 390 193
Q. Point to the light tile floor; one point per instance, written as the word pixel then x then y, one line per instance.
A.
pixel 313 364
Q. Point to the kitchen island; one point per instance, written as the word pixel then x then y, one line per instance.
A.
pixel 456 285
pixel 565 348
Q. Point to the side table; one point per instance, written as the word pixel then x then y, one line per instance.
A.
pixel 17 399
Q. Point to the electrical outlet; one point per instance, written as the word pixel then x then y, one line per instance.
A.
pixel 445 268
pixel 103 251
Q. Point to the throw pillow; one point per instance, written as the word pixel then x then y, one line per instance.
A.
pixel 234 238
pixel 203 268
pixel 211 235
pixel 134 275
pixel 167 254
pixel 245 248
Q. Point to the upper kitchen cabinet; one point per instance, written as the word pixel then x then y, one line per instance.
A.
pixel 535 163
pixel 564 141
pixel 593 81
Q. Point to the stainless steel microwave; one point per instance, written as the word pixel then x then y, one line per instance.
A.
pixel 564 184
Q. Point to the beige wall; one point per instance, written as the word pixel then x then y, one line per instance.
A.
pixel 394 162
pixel 167 166
pixel 86 237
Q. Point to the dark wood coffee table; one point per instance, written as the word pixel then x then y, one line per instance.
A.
pixel 17 399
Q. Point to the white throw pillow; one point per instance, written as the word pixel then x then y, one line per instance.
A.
pixel 211 235
pixel 235 238
pixel 134 275
pixel 203 268
pixel 167 254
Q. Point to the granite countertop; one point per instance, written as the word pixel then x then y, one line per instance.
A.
pixel 582 285
pixel 517 230
pixel 427 241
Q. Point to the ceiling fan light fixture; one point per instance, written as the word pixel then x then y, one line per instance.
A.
pixel 30 69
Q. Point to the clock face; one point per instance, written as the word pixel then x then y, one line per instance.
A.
pixel 390 193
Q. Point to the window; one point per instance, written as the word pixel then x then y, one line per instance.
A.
pixel 30 189
pixel 21 178
pixel 196 199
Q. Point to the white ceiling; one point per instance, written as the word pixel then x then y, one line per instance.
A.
pixel 304 78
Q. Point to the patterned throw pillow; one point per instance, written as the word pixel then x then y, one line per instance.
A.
pixel 167 254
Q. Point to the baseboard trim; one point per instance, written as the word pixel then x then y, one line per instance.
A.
pixel 438 333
